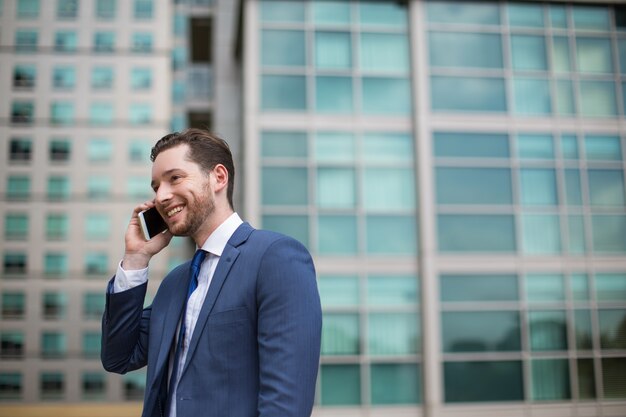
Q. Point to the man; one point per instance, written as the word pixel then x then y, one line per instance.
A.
pixel 246 341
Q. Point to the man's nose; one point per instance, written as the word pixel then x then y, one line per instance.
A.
pixel 163 194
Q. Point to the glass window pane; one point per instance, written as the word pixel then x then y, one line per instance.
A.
pixel 598 98
pixel 469 50
pixel 284 186
pixel 550 379
pixel 547 330
pixel 388 189
pixel 333 95
pixel 473 186
pixel 478 288
pixel 333 50
pixel 528 52
pixel 334 147
pixel 608 233
pixel 610 287
pixel 594 55
pixel 282 48
pixel 331 12
pixel 481 381
pixel 580 287
pixel 590 17
pixel 290 225
pixel 383 13
pixel 387 147
pixel 541 234
pixel 582 330
pixel 390 235
pixel 460 12
pixel 480 331
pixel 621 45
pixel 337 235
pixel 392 290
pixel 471 145
pixel 476 233
pixel 336 188
pixel 283 92
pixel 340 385
pixel 390 96
pixel 544 287
pixel 468 94
pixel 535 146
pixel 573 193
pixel 565 99
pixel 528 15
pixel 558 16
pixel 282 11
pixel 384 52
pixel 538 187
pixel 606 187
pixel 606 148
pixel 560 54
pixel 611 324
pixel 395 383
pixel 576 230
pixel 569 147
pixel 586 379
pixel 613 371
pixel 340 334
pixel 338 291
pixel 532 96
pixel 284 145
pixel 393 333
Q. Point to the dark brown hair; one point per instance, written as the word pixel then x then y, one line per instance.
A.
pixel 205 149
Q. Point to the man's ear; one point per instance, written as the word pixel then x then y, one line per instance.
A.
pixel 220 174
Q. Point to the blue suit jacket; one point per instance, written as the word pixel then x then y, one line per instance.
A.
pixel 255 348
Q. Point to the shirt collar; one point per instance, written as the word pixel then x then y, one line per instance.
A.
pixel 216 242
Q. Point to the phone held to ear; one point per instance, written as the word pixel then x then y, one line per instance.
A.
pixel 151 223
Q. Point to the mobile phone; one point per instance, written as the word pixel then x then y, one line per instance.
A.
pixel 151 223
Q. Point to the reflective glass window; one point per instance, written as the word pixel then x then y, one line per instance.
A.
pixel 611 323
pixel 550 379
pixel 561 54
pixel 590 17
pixel 105 9
pixel 97 226
pixel 333 50
pixel 102 77
pixel 282 11
pixel 276 144
pixel 569 147
pixel 53 344
pixel 24 75
pixel 544 287
pixel 478 288
pixel 586 379
pixel 64 77
pixel 473 186
pixel 565 99
pixel 480 331
pixel 340 384
pixel 594 55
pixel 392 290
pixel 51 385
pixel 389 96
pixel 390 235
pixel 15 226
pixel 334 147
pixel 340 334
pixel 99 150
pixel 393 333
pixel 26 40
pixel 283 92
pixel 583 330
pixel 459 49
pixel 535 146
pixel 93 305
pixel 284 186
pixel 104 41
pixel 608 233
pixel 27 9
pixel 57 226
pixel 62 112
pixel 538 187
pixel 598 98
pixel 613 371
pixel 395 383
pixel 388 189
pixel 338 291
pixel 143 9
pixel 476 233
pixel 65 41
pixel 468 94
pixel 606 148
pixel 480 381
pixel 385 52
pixel 55 264
pixel 383 13
pixel 526 15
pixel 468 145
pixel 141 78
pixel 331 12
pixel 610 287
pixel 541 234
pixel 387 147
pixel 336 188
pixel 606 187
pixel 296 226
pixel 532 96
pixel 13 305
pixel 333 94
pixel 140 113
pixel 580 287
pixel 142 42
pixel 67 9
pixel 460 12
pixel 282 48
pixel 573 193
pixel 58 187
pixel 93 385
pixel 337 234
pixel 548 330
pixel 528 52
pixel 558 16
pixel 101 113
pixel 18 187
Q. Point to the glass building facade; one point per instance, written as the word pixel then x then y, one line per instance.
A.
pixel 456 168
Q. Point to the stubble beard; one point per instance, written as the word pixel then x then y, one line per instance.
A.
pixel 198 212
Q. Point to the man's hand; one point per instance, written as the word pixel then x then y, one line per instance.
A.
pixel 138 251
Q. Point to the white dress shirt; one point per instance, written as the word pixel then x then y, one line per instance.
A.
pixel 214 245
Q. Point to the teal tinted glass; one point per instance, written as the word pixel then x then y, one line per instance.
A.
pixel 392 290
pixel 560 54
pixel 580 287
pixel 388 96
pixel 476 233
pixel 544 287
pixel 569 147
pixel 284 186
pixel 333 50
pixel 284 145
pixel 471 50
pixel 467 94
pixel 380 12
pixel 385 52
pixel 337 235
pixel 558 16
pixel 283 92
pixel 338 291
pixel 606 148
pixel 621 45
pixel 97 226
pixel 532 96
pixel 594 55
pixel 480 381
pixel 573 192
pixel 282 11
pixel 541 234
pixel 393 333
pixel 480 331
pixel 340 385
pixel 611 324
pixel 387 147
pixel 550 379
pixel 538 187
pixel 608 233
pixel 479 288
pixel 547 330
pixel 390 235
pixel 526 15
pixel 460 12
pixel 333 94
pixel 565 99
pixel 582 330
pixel 586 379
pixel 576 229
pixel 282 48
pixel 473 186
pixel 528 52
pixel 395 383
pixel 590 17
pixel 336 188
pixel 469 145
pixel 331 12
pixel 535 146
pixel 610 287
pixel 388 189
pixel 606 187
pixel 15 226
pixel 27 9
pixel 290 225
pixel 340 334
pixel 55 263
pixel 598 98
pixel 334 147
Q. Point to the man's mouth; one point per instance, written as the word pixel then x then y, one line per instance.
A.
pixel 174 211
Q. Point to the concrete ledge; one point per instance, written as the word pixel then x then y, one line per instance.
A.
pixel 71 410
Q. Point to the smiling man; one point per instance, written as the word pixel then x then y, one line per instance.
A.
pixel 239 338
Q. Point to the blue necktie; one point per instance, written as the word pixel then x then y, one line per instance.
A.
pixel 196 263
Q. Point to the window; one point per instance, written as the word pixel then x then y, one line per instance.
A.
pixel 57 226
pixel 140 113
pixel 58 187
pixel 91 344
pixel 483 381
pixel 10 385
pixel 55 264
pixel 15 226
pixel 93 385
pixel 24 76
pixel 141 78
pixel 139 187
pixel 139 150
pixel 101 113
pixel 105 9
pixel 51 385
pixel 18 187
pixel 64 77
pixel 99 150
pixel 22 112
pixel 62 113
pixel 26 40
pixel 476 233
pixel 97 226
pixel 468 94
pixel 143 9
pixel 395 383
pixel 96 263
pixel 27 9
pixel 53 344
pixel 59 150
pixel 104 41
pixel 13 305
pixel 142 42
pixel 67 9
pixel 54 305
pixel 93 305
pixel 474 186
pixel 134 385
pixel 282 48
pixel 465 50
pixel 65 41
pixel 20 149
pixel 11 344
pixel 102 78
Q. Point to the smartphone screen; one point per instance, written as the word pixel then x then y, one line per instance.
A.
pixel 151 223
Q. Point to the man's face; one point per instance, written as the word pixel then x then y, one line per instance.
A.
pixel 184 193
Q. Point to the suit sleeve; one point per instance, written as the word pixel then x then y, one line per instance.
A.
pixel 125 325
pixel 289 330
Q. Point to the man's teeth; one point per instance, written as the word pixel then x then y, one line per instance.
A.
pixel 173 211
